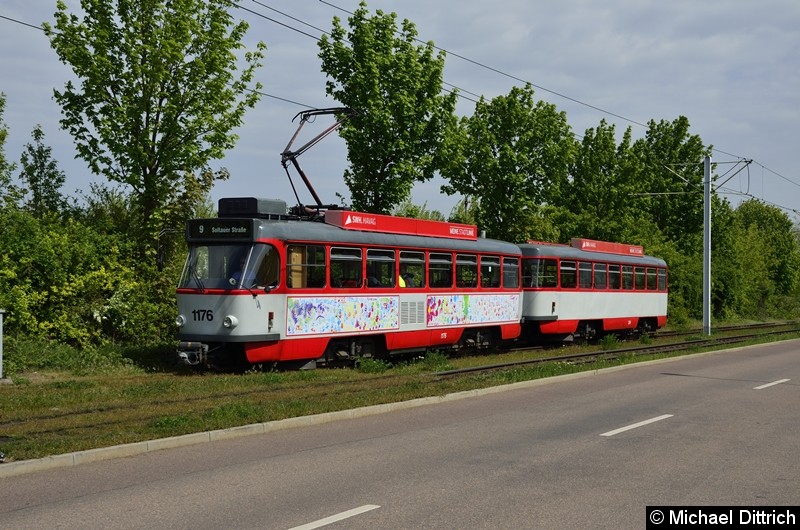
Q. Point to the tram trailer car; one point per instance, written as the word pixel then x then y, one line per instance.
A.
pixel 590 289
pixel 347 286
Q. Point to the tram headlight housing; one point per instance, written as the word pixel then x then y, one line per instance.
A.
pixel 180 321
pixel 230 322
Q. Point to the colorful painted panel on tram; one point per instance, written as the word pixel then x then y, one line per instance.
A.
pixel 341 314
pixel 460 309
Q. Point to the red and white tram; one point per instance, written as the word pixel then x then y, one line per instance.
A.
pixel 589 289
pixel 260 286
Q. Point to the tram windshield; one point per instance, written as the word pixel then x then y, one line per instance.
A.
pixel 233 266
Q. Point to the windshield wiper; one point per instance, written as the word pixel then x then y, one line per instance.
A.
pixel 196 276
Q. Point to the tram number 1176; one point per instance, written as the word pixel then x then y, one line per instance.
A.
pixel 203 315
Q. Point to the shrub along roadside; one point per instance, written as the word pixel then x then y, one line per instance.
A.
pixel 24 356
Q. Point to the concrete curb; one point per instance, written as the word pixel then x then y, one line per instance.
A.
pixel 11 469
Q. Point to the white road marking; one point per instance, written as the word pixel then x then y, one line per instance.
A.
pixel 779 381
pixel 635 425
pixel 338 517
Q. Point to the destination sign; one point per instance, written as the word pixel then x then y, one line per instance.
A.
pixel 220 229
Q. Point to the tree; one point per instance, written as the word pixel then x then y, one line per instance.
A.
pixel 601 192
pixel 158 98
pixel 9 194
pixel 465 211
pixel 42 176
pixel 782 254
pixel 399 133
pixel 413 211
pixel 514 160
pixel 670 169
pixel 738 270
pixel 5 177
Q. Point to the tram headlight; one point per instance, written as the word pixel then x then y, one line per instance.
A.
pixel 230 322
pixel 180 320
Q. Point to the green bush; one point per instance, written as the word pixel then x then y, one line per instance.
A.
pixel 436 361
pixel 29 355
pixel 372 366
pixel 23 355
pixel 610 342
pixel 65 282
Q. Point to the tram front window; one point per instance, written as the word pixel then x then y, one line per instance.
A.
pixel 237 266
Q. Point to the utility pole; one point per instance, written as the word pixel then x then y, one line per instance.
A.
pixel 707 245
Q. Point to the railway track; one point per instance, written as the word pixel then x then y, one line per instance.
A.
pixel 641 350
pixel 726 329
pixel 107 414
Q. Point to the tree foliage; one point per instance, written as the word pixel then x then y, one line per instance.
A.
pixel 781 254
pixel 411 210
pixel 4 164
pixel 43 178
pixel 75 280
pixel 9 193
pixel 670 172
pixel 399 134
pixel 514 158
pixel 601 194
pixel 158 98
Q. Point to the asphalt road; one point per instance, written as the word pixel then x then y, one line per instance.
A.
pixel 589 451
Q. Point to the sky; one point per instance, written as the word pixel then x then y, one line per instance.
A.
pixel 732 67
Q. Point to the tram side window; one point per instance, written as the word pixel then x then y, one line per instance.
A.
pixel 380 268
pixel 440 269
pixel 568 275
pixel 530 268
pixel 614 277
pixel 652 282
pixel 640 280
pixel 662 279
pixel 466 270
pixel 305 266
pixel 412 269
pixel 490 271
pixel 539 273
pixel 600 276
pixel 511 273
pixel 548 273
pixel 346 268
pixel 627 277
pixel 264 260
pixel 585 275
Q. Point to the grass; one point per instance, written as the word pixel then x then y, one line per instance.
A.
pixel 135 395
